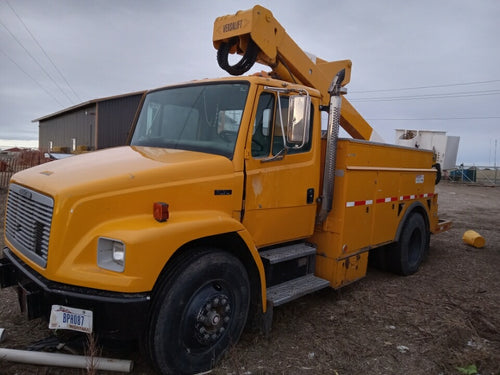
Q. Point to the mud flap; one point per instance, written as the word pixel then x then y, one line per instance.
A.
pixel 267 319
pixel 30 300
pixel 8 276
pixel 442 226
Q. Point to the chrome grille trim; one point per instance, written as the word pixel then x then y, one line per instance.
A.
pixel 28 219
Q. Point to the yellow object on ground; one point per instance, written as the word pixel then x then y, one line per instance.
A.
pixel 473 238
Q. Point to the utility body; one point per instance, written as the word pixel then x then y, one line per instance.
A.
pixel 228 201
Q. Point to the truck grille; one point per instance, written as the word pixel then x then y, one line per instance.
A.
pixel 27 222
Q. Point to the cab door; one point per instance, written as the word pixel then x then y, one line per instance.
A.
pixel 280 191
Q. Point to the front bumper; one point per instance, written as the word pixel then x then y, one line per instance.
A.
pixel 116 315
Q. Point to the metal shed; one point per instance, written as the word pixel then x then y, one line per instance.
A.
pixel 92 125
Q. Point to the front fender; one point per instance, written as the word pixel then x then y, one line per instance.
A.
pixel 149 245
pixel 247 238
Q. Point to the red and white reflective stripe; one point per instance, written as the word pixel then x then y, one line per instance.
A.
pixel 359 203
pixel 427 195
pixel 407 197
pixel 388 199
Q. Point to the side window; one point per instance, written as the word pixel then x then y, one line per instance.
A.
pixel 261 139
pixel 268 127
pixel 280 118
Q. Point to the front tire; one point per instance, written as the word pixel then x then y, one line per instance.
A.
pixel 199 312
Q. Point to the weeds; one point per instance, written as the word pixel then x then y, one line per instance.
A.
pixel 469 370
pixel 92 352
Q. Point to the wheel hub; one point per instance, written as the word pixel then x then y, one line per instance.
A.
pixel 212 319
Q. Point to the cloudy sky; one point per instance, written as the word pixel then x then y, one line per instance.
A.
pixel 427 64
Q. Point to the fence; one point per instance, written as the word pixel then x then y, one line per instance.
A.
pixel 15 162
pixel 481 175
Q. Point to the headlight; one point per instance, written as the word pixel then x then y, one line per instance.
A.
pixel 111 254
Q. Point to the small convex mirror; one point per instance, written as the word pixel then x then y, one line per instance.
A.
pixel 298 120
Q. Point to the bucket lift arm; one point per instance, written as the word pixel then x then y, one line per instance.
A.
pixel 259 37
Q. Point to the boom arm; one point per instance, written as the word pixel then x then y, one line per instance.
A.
pixel 259 37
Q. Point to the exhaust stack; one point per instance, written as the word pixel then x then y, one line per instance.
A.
pixel 336 91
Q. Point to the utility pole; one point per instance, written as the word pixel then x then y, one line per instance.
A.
pixel 489 155
pixel 495 161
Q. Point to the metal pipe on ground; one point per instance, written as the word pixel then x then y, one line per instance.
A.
pixel 65 360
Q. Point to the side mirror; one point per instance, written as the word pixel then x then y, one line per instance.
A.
pixel 298 120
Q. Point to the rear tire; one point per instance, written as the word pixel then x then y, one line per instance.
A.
pixel 199 312
pixel 406 255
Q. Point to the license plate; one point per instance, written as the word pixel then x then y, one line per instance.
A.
pixel 62 317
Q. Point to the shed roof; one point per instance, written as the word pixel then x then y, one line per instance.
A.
pixel 87 103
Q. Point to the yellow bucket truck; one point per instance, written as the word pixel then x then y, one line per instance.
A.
pixel 228 200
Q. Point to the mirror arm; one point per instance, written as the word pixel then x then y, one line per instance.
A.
pixel 279 156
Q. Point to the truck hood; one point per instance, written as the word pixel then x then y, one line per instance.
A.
pixel 121 168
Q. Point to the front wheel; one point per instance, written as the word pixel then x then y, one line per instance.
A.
pixel 199 312
pixel 407 254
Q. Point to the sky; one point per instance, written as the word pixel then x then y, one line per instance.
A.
pixel 424 65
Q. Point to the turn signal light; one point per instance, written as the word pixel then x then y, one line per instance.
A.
pixel 160 211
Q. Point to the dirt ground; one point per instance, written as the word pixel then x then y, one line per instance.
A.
pixel 445 319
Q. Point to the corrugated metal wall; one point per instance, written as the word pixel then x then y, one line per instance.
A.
pixel 115 119
pixel 60 130
pixel 101 124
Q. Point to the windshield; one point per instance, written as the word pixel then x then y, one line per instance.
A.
pixel 204 118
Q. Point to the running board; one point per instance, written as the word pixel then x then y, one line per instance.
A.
pixel 285 253
pixel 295 288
